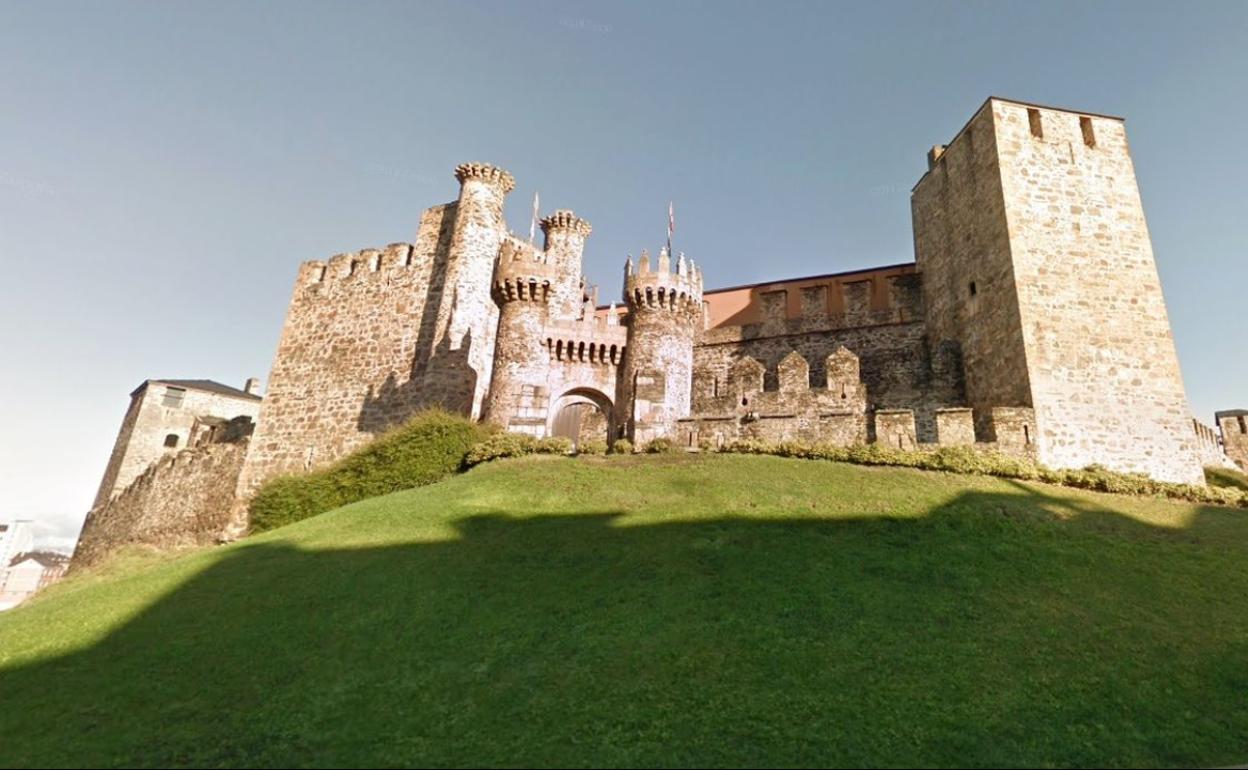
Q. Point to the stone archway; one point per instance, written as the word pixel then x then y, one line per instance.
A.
pixel 582 414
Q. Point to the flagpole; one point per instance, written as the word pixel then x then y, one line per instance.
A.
pixel 533 221
pixel 671 225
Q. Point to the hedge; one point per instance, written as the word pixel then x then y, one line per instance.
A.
pixel 428 448
pixel 987 463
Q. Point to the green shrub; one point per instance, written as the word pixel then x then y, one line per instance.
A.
pixel 287 499
pixel 554 445
pixel 661 445
pixel 749 446
pixel 428 448
pixel 592 447
pixel 501 445
pixel 622 446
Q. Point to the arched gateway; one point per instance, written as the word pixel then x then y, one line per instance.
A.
pixel 582 414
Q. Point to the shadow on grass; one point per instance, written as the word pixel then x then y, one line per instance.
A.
pixel 986 633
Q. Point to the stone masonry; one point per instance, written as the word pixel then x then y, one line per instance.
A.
pixel 1032 322
pixel 664 311
pixel 165 417
pixel 1233 424
pixel 1036 261
pixel 181 500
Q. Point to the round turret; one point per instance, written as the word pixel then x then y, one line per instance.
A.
pixel 664 310
pixel 565 245
pixel 522 274
pixel 677 291
pixel 523 287
pixel 466 324
pixel 487 173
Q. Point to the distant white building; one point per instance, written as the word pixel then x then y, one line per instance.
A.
pixel 16 537
pixel 23 570
pixel 27 574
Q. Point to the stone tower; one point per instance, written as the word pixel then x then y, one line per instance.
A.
pixel 458 375
pixel 1036 261
pixel 1233 424
pixel 664 313
pixel 525 284
pixel 565 246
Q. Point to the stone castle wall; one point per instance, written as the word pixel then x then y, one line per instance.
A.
pixel 372 337
pixel 353 352
pixel 898 366
pixel 740 407
pixel 1209 446
pixel 180 501
pixel 835 412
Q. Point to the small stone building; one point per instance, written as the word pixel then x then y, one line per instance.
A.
pixel 166 416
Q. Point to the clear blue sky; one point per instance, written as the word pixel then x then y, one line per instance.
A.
pixel 164 167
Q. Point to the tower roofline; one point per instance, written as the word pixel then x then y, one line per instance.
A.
pixel 1020 103
pixel 207 386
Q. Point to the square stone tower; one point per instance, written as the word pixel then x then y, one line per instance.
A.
pixel 1233 424
pixel 1036 260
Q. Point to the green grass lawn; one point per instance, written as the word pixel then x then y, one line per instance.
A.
pixel 673 610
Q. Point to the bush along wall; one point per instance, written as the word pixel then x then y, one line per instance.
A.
pixel 426 449
pixel 990 463
pixel 435 444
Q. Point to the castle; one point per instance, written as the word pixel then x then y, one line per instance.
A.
pixel 1031 321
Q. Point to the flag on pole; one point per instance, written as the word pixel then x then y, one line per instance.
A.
pixel 671 224
pixel 533 223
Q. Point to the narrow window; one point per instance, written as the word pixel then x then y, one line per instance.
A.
pixel 171 441
pixel 321 275
pixel 1243 425
pixel 974 289
pixel 1089 136
pixel 1027 435
pixel 1033 117
pixel 173 398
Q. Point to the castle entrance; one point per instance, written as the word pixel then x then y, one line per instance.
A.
pixel 582 415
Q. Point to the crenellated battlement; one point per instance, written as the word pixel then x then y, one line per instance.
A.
pixel 357 265
pixel 664 288
pixel 486 172
pixel 523 273
pixel 565 219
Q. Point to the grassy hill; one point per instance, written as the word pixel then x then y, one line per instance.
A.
pixel 668 610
